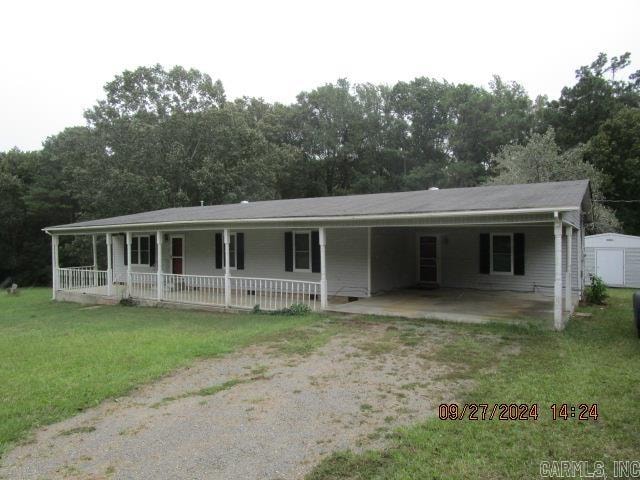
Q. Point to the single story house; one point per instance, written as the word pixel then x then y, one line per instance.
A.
pixel 348 252
pixel 615 258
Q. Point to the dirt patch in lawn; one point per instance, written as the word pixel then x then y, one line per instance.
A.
pixel 268 412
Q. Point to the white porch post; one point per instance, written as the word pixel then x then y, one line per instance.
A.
pixel 568 277
pixel 368 261
pixel 323 267
pixel 95 252
pixel 54 264
pixel 557 286
pixel 579 252
pixel 109 267
pixel 128 240
pixel 227 273
pixel 159 278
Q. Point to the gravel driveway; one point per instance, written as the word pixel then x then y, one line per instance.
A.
pixel 255 414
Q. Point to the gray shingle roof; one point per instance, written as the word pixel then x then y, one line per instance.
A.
pixel 495 197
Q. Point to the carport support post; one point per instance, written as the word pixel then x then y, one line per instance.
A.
pixel 227 273
pixel 568 277
pixel 580 251
pixel 128 240
pixel 109 269
pixel 159 279
pixel 323 268
pixel 54 264
pixel 557 285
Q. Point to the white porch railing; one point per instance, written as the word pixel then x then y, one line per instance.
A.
pixel 143 285
pixel 273 293
pixel 200 289
pixel 81 278
pixel 244 292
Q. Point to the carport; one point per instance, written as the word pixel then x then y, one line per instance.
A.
pixel 454 304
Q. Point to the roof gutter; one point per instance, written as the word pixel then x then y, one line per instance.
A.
pixel 319 219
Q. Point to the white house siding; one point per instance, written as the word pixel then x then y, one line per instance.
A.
pixel 573 217
pixel 346 261
pixel 395 259
pixel 119 268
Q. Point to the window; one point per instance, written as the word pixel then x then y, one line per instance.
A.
pixel 502 253
pixel 233 252
pixel 140 250
pixel 302 251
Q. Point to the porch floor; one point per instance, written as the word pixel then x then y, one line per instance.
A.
pixel 458 305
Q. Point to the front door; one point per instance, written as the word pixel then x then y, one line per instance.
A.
pixel 177 255
pixel 428 259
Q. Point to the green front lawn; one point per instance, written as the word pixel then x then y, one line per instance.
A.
pixel 59 358
pixel 596 360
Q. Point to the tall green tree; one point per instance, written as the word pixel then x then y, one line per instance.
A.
pixel 615 149
pixel 541 160
pixel 599 92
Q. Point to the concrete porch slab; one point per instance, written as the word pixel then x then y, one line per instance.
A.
pixel 458 305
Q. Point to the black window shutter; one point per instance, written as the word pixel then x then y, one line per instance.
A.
pixel 240 251
pixel 288 252
pixel 485 255
pixel 518 253
pixel 315 252
pixel 126 253
pixel 218 248
pixel 152 250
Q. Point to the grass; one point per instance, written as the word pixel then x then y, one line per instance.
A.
pixel 59 358
pixel 304 341
pixel 73 431
pixel 203 392
pixel 595 360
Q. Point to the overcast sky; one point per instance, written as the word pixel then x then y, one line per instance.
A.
pixel 57 55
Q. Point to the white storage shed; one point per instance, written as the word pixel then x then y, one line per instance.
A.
pixel 615 258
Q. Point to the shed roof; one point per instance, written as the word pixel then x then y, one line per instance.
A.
pixel 606 240
pixel 568 195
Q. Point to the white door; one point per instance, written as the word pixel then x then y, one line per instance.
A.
pixel 610 266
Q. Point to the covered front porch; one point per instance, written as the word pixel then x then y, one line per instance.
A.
pixel 474 271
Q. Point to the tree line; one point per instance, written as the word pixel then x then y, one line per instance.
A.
pixel 169 138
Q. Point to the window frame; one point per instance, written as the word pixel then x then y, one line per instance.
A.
pixel 136 239
pixel 491 270
pixel 232 240
pixel 308 234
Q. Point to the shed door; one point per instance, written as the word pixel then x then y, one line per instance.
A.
pixel 610 266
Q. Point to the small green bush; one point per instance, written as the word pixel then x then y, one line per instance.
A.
pixel 295 309
pixel 596 292
pixel 128 302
